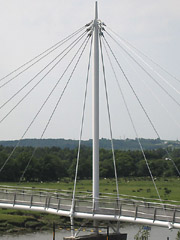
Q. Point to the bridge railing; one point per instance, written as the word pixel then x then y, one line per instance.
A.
pixel 60 200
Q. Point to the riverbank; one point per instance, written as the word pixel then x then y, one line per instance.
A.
pixel 16 221
pixel 20 223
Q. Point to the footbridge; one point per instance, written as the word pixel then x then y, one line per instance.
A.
pixel 109 207
pixel 86 205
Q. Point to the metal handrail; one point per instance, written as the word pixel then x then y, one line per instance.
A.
pixel 84 198
pixel 108 208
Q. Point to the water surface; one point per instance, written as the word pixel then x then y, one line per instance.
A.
pixel 156 233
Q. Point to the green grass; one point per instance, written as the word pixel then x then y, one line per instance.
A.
pixel 8 218
pixel 169 188
pixel 16 221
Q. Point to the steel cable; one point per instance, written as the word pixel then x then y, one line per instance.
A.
pixel 122 39
pixel 39 81
pixel 134 128
pixel 150 67
pixel 109 119
pixel 55 46
pixel 40 109
pixel 155 130
pixel 44 68
pixel 49 120
pixel 82 124
pixel 130 85
pixel 146 72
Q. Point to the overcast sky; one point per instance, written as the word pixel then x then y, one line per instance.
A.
pixel 29 27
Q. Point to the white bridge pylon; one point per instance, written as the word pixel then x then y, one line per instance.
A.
pixel 110 208
pixel 91 206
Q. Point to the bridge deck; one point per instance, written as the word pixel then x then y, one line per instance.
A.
pixel 109 208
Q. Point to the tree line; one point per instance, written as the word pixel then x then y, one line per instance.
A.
pixel 121 144
pixel 54 164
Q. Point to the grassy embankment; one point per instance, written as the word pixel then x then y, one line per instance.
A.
pixel 20 221
pixel 141 187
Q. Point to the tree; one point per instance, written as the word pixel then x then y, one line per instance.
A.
pixel 143 233
pixel 178 236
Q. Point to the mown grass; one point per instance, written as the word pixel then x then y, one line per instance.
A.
pixel 169 188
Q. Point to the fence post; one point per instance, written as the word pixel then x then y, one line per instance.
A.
pixel 107 237
pixel 53 231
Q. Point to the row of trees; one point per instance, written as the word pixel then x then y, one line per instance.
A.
pixel 121 144
pixel 53 164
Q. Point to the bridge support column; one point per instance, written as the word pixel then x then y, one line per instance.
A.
pixel 118 227
pixel 95 114
pixel 95 224
pixel 72 226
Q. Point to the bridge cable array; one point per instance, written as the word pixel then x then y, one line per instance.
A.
pixel 176 122
pixel 82 123
pixel 53 112
pixel 147 65
pixel 147 115
pixel 72 46
pixel 131 119
pixel 172 98
pixel 127 43
pixel 51 49
pixel 109 119
pixel 155 95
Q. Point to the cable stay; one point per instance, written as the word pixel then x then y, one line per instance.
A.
pixel 70 47
pixel 132 122
pixel 10 80
pixel 109 119
pixel 135 94
pixel 125 42
pixel 46 52
pixel 84 42
pixel 39 81
pixel 144 110
pixel 145 71
pixel 54 110
pixel 140 103
pixel 172 118
pixel 157 98
pixel 152 69
pixel 155 95
pixel 176 122
pixel 139 100
pixel 81 127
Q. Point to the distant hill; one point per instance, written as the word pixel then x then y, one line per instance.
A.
pixel 126 144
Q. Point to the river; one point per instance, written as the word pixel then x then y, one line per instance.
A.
pixel 156 233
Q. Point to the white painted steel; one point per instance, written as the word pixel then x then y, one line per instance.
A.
pixel 92 216
pixel 95 109
pixel 110 209
pixel 105 208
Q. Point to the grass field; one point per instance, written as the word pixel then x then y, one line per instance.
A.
pixel 169 188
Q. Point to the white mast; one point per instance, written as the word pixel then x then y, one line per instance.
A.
pixel 95 109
